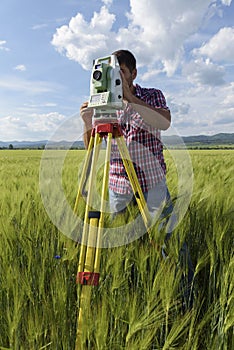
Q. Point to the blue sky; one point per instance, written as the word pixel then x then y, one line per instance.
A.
pixel 185 48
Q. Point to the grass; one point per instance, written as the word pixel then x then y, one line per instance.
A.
pixel 137 304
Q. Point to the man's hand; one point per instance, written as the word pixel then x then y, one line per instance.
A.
pixel 127 93
pixel 86 115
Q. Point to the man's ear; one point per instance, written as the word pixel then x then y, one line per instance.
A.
pixel 134 73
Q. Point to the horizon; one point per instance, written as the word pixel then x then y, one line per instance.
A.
pixel 64 140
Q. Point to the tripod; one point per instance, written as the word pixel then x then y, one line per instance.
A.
pixel 90 253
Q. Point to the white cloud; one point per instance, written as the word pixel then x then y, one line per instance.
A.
pixel 164 28
pixel 20 67
pixel 204 72
pixel 151 74
pixel 226 2
pixel 203 109
pixel 2 45
pixel 224 117
pixel 107 2
pixel 179 108
pixel 156 32
pixel 39 26
pixel 36 106
pixel 82 41
pixel 22 85
pixel 44 122
pixel 220 47
pixel 29 127
pixel 228 96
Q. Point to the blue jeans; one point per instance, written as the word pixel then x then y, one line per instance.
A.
pixel 155 198
pixel 158 201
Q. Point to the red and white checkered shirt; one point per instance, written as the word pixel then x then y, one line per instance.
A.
pixel 144 145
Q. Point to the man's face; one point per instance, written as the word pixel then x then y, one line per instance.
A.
pixel 129 76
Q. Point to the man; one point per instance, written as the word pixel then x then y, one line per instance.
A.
pixel 144 116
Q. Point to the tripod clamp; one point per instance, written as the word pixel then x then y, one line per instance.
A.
pixel 103 129
pixel 87 278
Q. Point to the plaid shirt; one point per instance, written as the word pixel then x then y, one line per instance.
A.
pixel 144 145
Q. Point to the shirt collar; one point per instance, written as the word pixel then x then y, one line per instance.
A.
pixel 138 90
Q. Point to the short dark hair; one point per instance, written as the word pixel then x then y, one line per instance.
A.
pixel 127 58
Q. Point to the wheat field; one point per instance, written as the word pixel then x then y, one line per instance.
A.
pixel 137 304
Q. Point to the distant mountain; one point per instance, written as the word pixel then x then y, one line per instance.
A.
pixel 222 139
pixel 41 144
pixel 22 144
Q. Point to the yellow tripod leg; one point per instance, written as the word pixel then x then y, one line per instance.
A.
pixel 103 203
pixel 87 251
pixel 87 279
pixel 89 264
pixel 84 173
pixel 96 150
pixel 140 199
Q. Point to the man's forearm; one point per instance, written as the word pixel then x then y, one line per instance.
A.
pixel 159 118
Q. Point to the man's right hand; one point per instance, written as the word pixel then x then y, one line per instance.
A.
pixel 86 114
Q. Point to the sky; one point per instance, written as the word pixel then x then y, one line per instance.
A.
pixel 185 48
